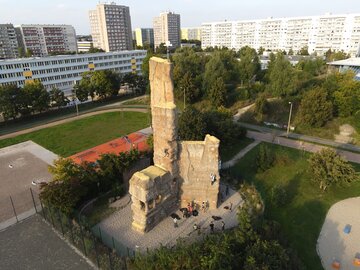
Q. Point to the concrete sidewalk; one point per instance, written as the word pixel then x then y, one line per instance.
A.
pixel 305 138
pixel 301 145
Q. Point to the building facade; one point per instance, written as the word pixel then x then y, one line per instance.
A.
pixel 43 40
pixel 191 33
pixel 144 36
pixel 111 27
pixel 317 33
pixel 63 70
pixel 167 28
pixel 8 42
pixel 352 64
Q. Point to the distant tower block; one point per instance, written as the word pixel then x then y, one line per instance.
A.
pixel 164 116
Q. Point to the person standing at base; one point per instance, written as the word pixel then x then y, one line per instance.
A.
pixel 175 223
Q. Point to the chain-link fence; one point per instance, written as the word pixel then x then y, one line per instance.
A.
pixel 105 256
pixel 19 206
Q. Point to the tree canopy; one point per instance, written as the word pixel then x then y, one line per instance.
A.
pixel 328 168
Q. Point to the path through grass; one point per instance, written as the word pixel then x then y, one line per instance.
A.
pixel 73 137
pixel 303 216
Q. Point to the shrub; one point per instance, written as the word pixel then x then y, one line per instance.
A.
pixel 278 196
pixel 264 159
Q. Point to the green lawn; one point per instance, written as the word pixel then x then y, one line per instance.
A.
pixel 302 218
pixel 229 151
pixel 79 135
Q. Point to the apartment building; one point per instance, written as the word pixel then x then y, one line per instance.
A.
pixel 63 70
pixel 8 42
pixel 44 39
pixel 167 28
pixel 144 36
pixel 191 33
pixel 111 27
pixel 318 33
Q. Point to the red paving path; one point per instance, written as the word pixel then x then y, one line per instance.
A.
pixel 136 140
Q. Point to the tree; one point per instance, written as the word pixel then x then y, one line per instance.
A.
pixel 264 158
pixel 291 52
pixel 94 50
pixel 329 168
pixel 280 75
pixel 188 88
pixel 188 69
pixel 261 105
pixel 315 108
pixel 65 190
pixel 29 53
pixel 220 124
pixel 304 51
pixel 57 98
pixel 21 52
pixel 313 67
pixel 336 55
pixel 249 64
pixel 104 83
pixel 268 255
pixel 217 93
pixel 260 51
pixel 9 101
pixel 221 64
pixel 161 49
pixel 39 98
pixel 192 126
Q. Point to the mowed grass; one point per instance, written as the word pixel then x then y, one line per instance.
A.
pixel 229 151
pixel 73 137
pixel 302 217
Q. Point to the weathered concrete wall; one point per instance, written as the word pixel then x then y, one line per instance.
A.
pixel 154 195
pixel 184 173
pixel 198 165
pixel 164 115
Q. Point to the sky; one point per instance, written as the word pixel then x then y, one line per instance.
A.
pixel 193 12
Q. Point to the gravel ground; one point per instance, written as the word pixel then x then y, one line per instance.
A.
pixel 118 225
pixel 333 243
pixel 32 244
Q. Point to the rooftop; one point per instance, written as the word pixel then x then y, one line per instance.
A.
pixel 355 62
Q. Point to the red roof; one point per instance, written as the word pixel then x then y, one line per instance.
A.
pixel 136 140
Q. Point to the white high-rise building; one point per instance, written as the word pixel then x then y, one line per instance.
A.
pixel 111 27
pixel 318 33
pixel 44 39
pixel 191 33
pixel 8 42
pixel 167 28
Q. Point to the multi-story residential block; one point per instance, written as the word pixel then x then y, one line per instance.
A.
pixel 8 42
pixel 43 40
pixel 167 28
pixel 84 46
pixel 318 33
pixel 111 27
pixel 191 33
pixel 144 36
pixel 63 70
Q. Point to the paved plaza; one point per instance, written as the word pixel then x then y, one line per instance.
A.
pixel 32 244
pixel 20 165
pixel 118 225
pixel 334 243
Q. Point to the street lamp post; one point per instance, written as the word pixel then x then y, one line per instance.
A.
pixel 288 126
pixel 168 44
pixel 76 105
